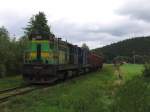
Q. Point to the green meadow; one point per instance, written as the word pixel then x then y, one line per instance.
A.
pixel 99 91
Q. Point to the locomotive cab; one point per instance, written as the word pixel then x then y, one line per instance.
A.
pixel 39 52
pixel 40 61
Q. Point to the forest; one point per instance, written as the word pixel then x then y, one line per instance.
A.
pixel 11 53
pixel 134 50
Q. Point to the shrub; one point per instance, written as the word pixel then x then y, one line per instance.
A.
pixel 146 71
pixel 2 70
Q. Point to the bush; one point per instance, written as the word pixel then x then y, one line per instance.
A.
pixel 146 71
pixel 11 53
pixel 132 96
pixel 2 70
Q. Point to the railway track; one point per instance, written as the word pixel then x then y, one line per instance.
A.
pixel 11 89
pixel 5 95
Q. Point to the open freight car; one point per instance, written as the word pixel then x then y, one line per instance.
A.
pixel 47 60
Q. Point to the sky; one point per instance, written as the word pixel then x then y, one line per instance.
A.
pixel 94 22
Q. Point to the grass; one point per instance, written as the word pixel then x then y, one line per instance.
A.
pixel 10 82
pixel 133 95
pixel 132 70
pixel 95 92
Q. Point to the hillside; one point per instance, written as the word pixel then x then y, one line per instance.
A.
pixel 138 47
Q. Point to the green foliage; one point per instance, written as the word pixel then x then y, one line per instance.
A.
pixel 131 70
pixel 133 96
pixel 4 48
pixel 11 82
pixel 4 33
pixel 135 49
pixel 2 70
pixel 121 59
pixel 11 53
pixel 38 26
pixel 146 71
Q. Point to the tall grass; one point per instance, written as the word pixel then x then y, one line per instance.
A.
pixel 95 92
pixel 88 93
pixel 146 71
pixel 133 96
pixel 10 82
pixel 130 71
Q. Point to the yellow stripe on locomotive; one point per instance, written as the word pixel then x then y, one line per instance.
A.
pixel 50 52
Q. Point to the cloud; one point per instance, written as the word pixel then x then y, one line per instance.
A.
pixel 93 34
pixel 14 22
pixel 96 23
pixel 86 33
pixel 136 9
pixel 122 28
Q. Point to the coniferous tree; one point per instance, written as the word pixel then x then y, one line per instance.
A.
pixel 38 26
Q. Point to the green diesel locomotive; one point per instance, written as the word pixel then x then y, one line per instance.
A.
pixel 47 60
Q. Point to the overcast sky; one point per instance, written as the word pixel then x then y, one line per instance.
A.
pixel 94 22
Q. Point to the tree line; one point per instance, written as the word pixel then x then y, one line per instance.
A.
pixel 11 53
pixel 134 50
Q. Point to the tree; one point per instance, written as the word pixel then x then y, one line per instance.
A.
pixel 146 71
pixel 136 49
pixel 4 33
pixel 23 44
pixel 4 48
pixel 84 46
pixel 11 53
pixel 38 27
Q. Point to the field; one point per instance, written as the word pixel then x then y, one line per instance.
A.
pixel 101 91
